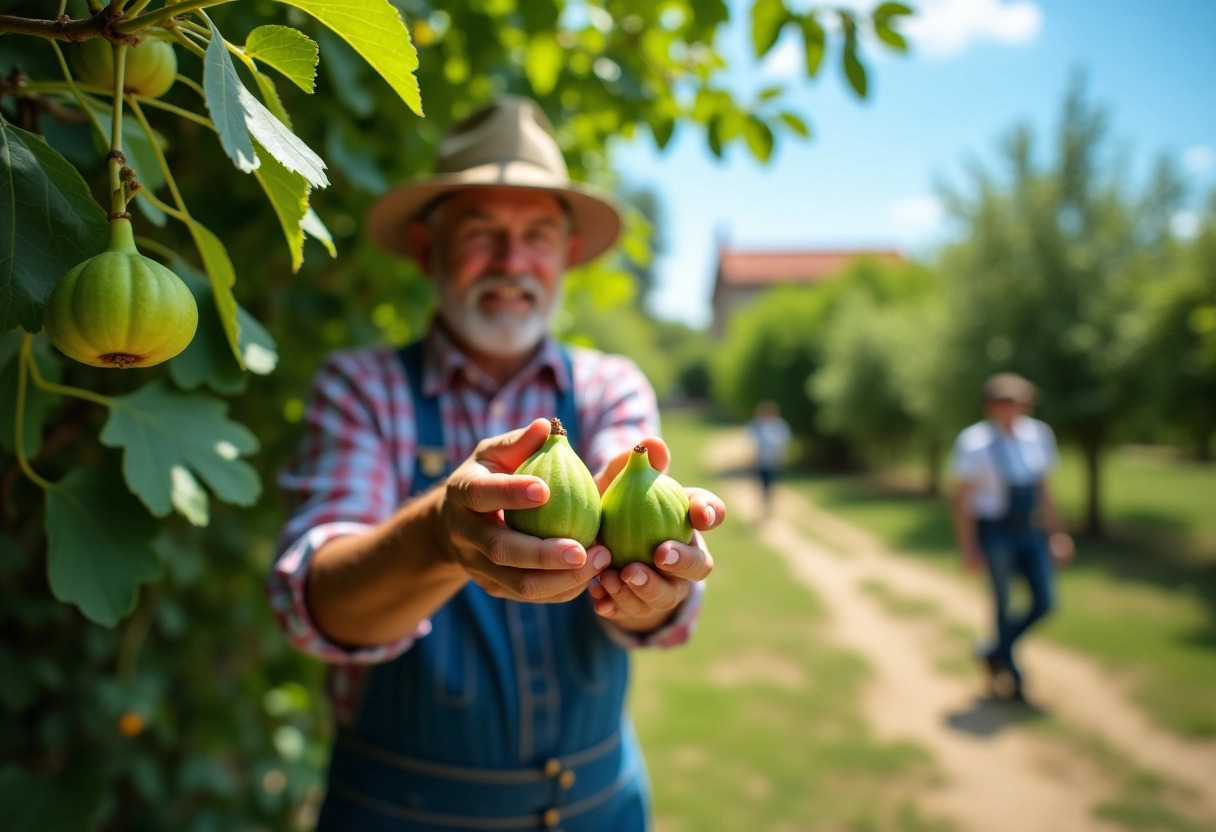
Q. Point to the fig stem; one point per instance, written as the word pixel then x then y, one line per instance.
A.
pixel 118 201
pixel 555 427
pixel 25 362
pixel 63 389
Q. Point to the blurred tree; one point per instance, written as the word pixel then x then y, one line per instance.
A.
pixel 184 709
pixel 1044 275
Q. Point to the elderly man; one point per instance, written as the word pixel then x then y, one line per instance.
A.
pixel 1002 506
pixel 478 674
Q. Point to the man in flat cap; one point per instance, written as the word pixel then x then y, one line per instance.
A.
pixel 478 674
pixel 1005 519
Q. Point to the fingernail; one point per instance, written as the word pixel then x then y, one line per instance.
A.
pixel 710 515
pixel 535 492
pixel 670 557
pixel 601 560
pixel 573 556
pixel 637 578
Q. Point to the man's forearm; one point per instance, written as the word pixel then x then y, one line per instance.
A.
pixel 376 587
pixel 964 524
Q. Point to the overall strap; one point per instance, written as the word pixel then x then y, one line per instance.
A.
pixel 431 457
pixel 566 409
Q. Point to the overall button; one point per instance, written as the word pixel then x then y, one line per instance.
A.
pixel 567 779
pixel 551 818
pixel 553 767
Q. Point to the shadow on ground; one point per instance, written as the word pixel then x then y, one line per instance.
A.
pixel 988 716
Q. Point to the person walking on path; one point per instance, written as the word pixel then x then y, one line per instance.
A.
pixel 477 674
pixel 1005 518
pixel 770 435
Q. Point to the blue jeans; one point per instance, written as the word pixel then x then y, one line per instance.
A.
pixel 1009 549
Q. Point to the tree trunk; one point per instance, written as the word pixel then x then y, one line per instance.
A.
pixel 933 458
pixel 1092 448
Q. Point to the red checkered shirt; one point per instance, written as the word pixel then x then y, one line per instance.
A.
pixel 355 460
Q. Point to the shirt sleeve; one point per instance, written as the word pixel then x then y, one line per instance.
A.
pixel 617 409
pixel 1051 452
pixel 964 458
pixel 339 481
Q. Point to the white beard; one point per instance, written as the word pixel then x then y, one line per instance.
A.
pixel 503 334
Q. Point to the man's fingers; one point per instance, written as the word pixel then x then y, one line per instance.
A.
pixel 541 584
pixel 683 560
pixel 638 590
pixel 490 492
pixel 507 451
pixel 705 509
pixel 508 548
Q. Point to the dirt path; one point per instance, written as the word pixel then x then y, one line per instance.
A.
pixel 999 775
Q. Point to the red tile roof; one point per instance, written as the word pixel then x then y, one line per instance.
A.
pixel 757 268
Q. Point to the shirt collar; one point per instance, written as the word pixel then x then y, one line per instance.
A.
pixel 445 362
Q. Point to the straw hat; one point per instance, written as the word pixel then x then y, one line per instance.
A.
pixel 1009 387
pixel 508 143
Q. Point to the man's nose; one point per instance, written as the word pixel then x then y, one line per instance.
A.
pixel 510 255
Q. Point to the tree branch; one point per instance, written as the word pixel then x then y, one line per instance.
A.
pixel 100 25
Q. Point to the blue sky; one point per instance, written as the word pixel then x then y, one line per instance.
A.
pixel 868 174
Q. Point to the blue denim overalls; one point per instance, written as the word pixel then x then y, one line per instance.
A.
pixel 507 716
pixel 1011 544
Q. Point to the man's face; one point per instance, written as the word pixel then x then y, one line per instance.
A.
pixel 497 256
pixel 1005 411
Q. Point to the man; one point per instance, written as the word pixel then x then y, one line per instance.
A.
pixel 1002 504
pixel 478 674
pixel 770 434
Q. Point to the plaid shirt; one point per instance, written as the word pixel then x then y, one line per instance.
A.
pixel 354 464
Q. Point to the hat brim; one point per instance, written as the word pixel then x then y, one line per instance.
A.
pixel 595 218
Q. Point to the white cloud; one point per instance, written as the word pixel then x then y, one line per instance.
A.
pixel 914 218
pixel 1199 159
pixel 1185 224
pixel 942 29
pixel 787 59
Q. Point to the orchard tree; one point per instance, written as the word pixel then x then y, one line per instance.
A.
pixel 143 684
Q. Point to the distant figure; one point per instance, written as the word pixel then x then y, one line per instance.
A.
pixel 771 434
pixel 1005 518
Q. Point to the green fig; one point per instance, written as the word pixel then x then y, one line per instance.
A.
pixel 640 509
pixel 120 309
pixel 573 508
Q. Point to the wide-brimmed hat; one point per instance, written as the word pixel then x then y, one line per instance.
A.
pixel 508 143
pixel 1009 387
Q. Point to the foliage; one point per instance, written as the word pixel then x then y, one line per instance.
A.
pixel 161 695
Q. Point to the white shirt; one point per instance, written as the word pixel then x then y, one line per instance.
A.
pixel 770 433
pixel 991 460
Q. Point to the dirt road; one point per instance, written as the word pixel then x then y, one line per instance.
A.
pixel 1003 772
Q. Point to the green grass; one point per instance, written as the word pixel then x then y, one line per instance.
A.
pixel 755 724
pixel 1143 601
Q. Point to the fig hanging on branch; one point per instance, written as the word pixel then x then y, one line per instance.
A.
pixel 120 309
pixel 151 66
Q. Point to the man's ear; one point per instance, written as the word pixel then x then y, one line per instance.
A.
pixel 418 234
pixel 574 248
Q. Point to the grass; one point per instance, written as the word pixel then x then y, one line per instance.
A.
pixel 1143 601
pixel 755 724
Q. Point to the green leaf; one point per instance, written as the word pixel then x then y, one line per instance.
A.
pixel 208 359
pixel 713 135
pixel 768 18
pixel 313 227
pixel 543 63
pixel 662 127
pixel 890 37
pixel 98 538
pixel 288 195
pixel 37 402
pixel 374 29
pixel 853 70
pixel 759 137
pixel 222 276
pixel 795 123
pixel 280 142
pixel 161 429
pixel 769 93
pixel 48 223
pixel 32 804
pixel 288 50
pixel 221 88
pixel 270 96
pixel 886 11
pixel 814 43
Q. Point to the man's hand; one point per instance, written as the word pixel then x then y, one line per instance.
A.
pixel 503 562
pixel 1061 546
pixel 973 558
pixel 640 597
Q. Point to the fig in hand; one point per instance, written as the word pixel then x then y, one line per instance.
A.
pixel 120 309
pixel 642 508
pixel 573 508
